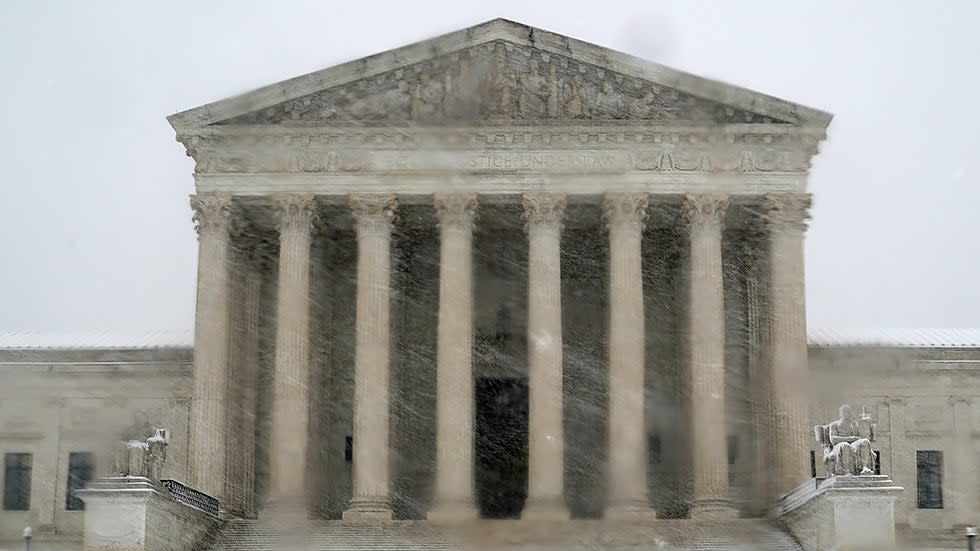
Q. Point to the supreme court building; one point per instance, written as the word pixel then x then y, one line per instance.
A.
pixel 506 274
pixel 500 214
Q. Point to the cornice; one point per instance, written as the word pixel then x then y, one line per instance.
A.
pixel 571 132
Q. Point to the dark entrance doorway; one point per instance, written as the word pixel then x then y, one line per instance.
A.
pixel 501 446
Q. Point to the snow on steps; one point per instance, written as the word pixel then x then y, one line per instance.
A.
pixel 660 535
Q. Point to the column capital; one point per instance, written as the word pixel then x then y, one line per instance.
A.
pixel 700 209
pixel 212 213
pixel 373 211
pixel 544 209
pixel 297 212
pixel 785 211
pixel 455 209
pixel 625 208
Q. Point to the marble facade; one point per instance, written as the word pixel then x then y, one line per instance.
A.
pixel 499 117
pixel 622 240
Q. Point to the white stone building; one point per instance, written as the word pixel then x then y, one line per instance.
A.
pixel 498 274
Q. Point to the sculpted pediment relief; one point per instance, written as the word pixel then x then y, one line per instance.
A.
pixel 500 81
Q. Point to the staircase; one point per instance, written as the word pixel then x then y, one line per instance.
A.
pixel 501 535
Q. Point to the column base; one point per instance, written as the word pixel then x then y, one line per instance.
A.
pixel 367 509
pixel 629 510
pixel 545 509
pixel 713 508
pixel 453 511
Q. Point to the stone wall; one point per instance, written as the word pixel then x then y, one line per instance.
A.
pixel 57 401
pixel 921 399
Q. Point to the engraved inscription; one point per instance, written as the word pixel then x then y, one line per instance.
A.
pixel 545 161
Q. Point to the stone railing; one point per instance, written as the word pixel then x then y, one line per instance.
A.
pixel 135 510
pixel 797 496
pixel 191 497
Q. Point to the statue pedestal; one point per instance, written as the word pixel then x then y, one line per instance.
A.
pixel 844 513
pixel 131 513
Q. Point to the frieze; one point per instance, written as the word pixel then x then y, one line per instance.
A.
pixel 351 150
pixel 500 80
pixel 655 159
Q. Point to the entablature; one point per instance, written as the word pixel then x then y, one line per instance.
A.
pixel 637 153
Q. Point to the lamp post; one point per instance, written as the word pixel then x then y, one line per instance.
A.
pixel 971 536
pixel 27 538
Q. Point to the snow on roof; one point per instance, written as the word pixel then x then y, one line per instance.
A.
pixel 919 338
pixel 96 339
pixel 907 337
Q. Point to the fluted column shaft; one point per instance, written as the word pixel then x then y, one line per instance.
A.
pixel 545 500
pixel 251 322
pixel 454 415
pixel 789 377
pixel 624 215
pixel 243 374
pixel 704 214
pixel 212 333
pixel 371 496
pixel 287 496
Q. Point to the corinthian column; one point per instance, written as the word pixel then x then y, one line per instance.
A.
pixel 624 214
pixel 545 487
pixel 212 214
pixel 371 500
pixel 706 352
pixel 454 415
pixel 243 372
pixel 789 377
pixel 291 381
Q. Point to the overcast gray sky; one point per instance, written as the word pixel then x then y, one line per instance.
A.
pixel 93 200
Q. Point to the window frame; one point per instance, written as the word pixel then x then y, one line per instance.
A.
pixel 73 502
pixel 10 501
pixel 929 483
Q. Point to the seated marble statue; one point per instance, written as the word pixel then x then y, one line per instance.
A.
pixel 138 456
pixel 847 444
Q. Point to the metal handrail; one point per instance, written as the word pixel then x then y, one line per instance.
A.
pixel 182 493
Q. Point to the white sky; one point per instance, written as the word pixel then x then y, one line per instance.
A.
pixel 93 198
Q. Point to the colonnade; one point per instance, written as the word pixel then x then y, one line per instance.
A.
pixel 624 215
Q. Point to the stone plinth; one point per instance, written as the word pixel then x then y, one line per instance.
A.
pixel 131 513
pixel 843 513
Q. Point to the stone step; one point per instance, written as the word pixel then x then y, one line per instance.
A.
pixel 661 535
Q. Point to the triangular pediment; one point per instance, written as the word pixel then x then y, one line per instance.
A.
pixel 499 71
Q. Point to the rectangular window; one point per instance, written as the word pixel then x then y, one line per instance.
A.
pixel 349 449
pixel 17 481
pixel 80 468
pixel 813 464
pixel 929 479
